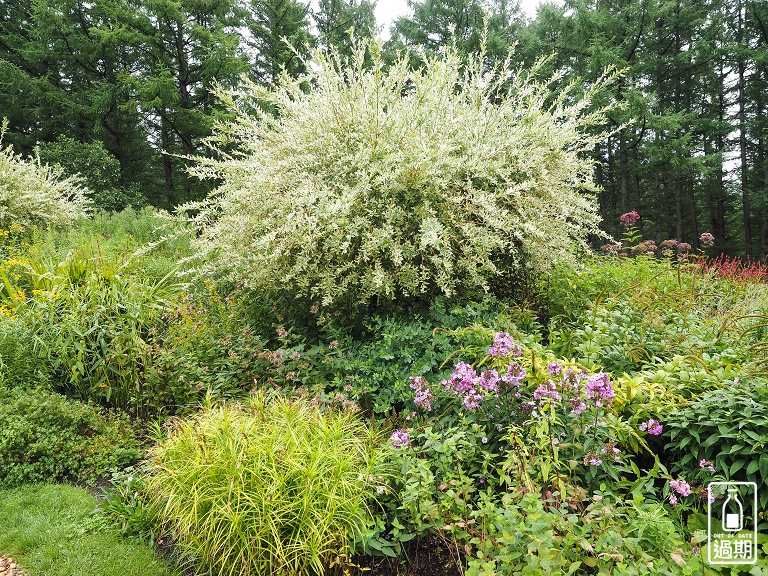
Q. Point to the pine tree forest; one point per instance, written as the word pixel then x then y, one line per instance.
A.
pixel 123 91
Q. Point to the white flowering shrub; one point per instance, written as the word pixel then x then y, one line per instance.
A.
pixel 33 194
pixel 397 182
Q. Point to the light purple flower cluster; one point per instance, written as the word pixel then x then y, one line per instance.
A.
pixel 611 451
pixel 470 387
pixel 515 375
pixel 706 464
pixel 504 345
pixel 547 390
pixel 554 369
pixel 600 389
pixel 400 439
pixel 422 393
pixel 681 487
pixel 653 427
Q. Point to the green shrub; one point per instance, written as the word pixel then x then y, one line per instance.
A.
pixel 729 429
pixel 267 488
pixel 92 338
pixel 44 437
pixel 34 194
pixel 99 169
pixel 515 535
pixel 393 183
pixel 125 506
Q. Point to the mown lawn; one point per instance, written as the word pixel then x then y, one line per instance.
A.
pixel 45 528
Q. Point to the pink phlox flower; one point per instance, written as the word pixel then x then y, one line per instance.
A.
pixel 422 393
pixel 600 389
pixel 504 345
pixel 681 487
pixel 706 464
pixel 672 499
pixel 400 439
pixel 554 369
pixel 462 380
pixel 653 427
pixel 472 400
pixel 546 390
pixel 577 405
pixel 489 380
pixel 515 374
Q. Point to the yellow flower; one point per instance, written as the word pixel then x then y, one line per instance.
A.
pixel 103 385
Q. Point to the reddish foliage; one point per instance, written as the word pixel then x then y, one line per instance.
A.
pixel 737 268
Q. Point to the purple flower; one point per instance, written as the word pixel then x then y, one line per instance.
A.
pixel 422 394
pixel 705 464
pixel 554 369
pixel 400 439
pixel 462 380
pixel 681 487
pixel 600 389
pixel 546 390
pixel 706 240
pixel 595 461
pixel 504 345
pixel 577 405
pixel 484 440
pixel 472 400
pixel 515 374
pixel 629 219
pixel 672 499
pixel 489 380
pixel 653 427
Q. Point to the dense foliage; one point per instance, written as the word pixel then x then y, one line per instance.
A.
pixel 46 438
pixel 270 487
pixel 400 183
pixel 134 79
pixel 35 194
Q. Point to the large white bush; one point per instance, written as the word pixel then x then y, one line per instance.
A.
pixel 34 194
pixel 396 182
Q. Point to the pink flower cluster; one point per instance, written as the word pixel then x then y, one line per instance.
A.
pixel 629 219
pixel 400 439
pixel 681 487
pixel 653 427
pixel 422 393
pixel 600 389
pixel 706 240
pixel 504 345
pixel 706 464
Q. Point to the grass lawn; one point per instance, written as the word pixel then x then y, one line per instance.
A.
pixel 43 528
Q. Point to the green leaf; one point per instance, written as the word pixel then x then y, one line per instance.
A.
pixel 736 466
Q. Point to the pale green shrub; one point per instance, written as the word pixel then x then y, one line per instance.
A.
pixel 32 193
pixel 399 182
pixel 268 488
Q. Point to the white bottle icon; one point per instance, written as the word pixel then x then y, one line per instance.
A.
pixel 733 512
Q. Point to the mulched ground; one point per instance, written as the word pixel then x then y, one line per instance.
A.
pixel 429 557
pixel 9 568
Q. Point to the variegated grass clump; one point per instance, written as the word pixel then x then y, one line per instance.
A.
pixel 273 487
pixel 394 182
pixel 34 194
